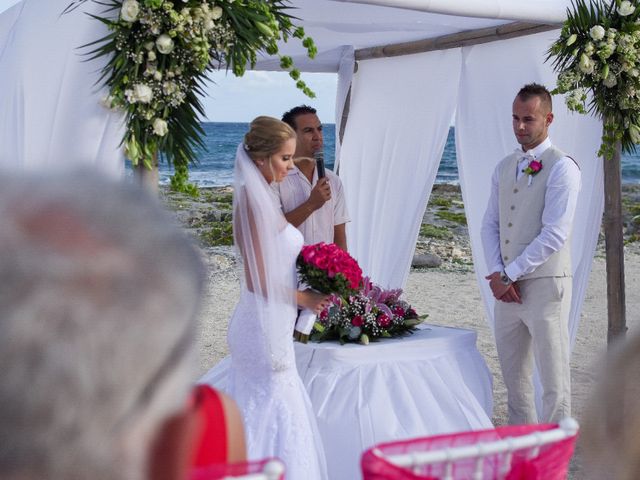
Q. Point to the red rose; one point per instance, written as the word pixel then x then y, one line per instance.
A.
pixel 398 310
pixel 357 321
pixel 383 320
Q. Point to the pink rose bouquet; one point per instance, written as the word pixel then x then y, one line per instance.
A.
pixel 329 269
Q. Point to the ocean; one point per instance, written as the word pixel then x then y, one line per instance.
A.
pixel 215 165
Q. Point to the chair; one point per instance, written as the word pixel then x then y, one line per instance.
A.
pixel 519 452
pixel 267 469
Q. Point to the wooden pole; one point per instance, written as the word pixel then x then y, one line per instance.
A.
pixel 454 40
pixel 149 178
pixel 614 245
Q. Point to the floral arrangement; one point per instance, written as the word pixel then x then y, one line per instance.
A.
pixel 597 53
pixel 159 52
pixel 372 313
pixel 327 268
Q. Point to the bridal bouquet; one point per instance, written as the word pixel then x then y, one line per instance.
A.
pixel 330 270
pixel 370 314
pixel 327 268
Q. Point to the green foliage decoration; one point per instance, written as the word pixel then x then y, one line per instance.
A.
pixel 596 58
pixel 159 53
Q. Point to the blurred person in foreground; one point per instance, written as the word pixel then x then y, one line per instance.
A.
pixel 98 300
pixel 610 436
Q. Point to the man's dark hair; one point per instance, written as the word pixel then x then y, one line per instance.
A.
pixel 290 117
pixel 536 90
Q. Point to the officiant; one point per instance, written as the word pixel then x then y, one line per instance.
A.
pixel 313 204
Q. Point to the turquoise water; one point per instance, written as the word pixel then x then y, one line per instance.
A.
pixel 215 165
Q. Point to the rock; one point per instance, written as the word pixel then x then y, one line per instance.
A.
pixel 426 260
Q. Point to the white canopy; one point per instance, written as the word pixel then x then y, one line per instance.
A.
pixel 400 109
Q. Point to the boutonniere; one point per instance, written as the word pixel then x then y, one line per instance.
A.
pixel 532 169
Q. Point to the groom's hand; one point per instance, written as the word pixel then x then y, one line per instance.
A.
pixel 497 287
pixel 512 294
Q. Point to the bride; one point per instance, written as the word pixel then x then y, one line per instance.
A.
pixel 262 375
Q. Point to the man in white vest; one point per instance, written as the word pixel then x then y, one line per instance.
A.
pixel 526 234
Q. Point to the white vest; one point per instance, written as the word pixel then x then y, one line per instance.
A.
pixel 521 206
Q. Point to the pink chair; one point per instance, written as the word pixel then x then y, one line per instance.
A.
pixel 267 469
pixel 520 452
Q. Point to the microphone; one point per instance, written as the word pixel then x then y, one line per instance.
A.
pixel 319 157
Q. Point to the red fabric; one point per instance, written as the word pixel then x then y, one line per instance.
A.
pixel 212 445
pixel 551 463
pixel 216 472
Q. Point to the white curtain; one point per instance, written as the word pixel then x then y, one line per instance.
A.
pixel 484 135
pixel 50 112
pixel 401 109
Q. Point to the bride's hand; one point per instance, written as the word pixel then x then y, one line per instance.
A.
pixel 314 301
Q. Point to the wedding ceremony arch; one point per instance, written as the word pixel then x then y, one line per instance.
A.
pixel 407 70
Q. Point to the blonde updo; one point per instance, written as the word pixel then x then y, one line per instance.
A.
pixel 266 136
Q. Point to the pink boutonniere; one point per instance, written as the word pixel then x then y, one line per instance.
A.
pixel 532 170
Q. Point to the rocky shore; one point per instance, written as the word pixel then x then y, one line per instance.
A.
pixel 443 242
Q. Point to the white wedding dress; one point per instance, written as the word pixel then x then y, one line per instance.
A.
pixel 278 417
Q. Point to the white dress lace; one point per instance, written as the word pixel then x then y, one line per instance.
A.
pixel 278 417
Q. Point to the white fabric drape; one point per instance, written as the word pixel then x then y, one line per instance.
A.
pixel 484 136
pixel 50 112
pixel 345 76
pixel 400 113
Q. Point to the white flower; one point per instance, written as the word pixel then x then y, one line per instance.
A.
pixel 142 93
pixel 572 39
pixel 626 8
pixel 151 56
pixel 169 88
pixel 597 32
pixel 107 102
pixel 160 127
pixel 157 75
pixel 129 11
pixel 164 43
pixel 611 81
pixel 586 64
pixel 216 13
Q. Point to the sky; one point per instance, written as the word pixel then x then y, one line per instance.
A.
pixel 232 99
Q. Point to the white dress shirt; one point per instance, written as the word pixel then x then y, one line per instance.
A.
pixel 295 189
pixel 561 196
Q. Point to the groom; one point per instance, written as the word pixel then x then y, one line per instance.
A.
pixel 526 234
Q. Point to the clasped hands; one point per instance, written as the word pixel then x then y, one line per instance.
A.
pixel 505 293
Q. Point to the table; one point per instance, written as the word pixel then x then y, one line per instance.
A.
pixel 434 381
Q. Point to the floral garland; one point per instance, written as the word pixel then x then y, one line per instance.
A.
pixel 597 53
pixel 369 314
pixel 159 52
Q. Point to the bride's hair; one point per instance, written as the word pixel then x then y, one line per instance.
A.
pixel 265 137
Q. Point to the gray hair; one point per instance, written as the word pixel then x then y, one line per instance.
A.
pixel 99 292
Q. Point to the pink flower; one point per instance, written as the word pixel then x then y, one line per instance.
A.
pixel 383 320
pixel 533 168
pixel 357 321
pixel 398 310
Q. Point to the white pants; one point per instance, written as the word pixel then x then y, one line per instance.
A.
pixel 537 328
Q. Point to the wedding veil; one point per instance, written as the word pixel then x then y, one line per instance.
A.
pixel 266 271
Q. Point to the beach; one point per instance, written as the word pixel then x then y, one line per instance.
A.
pixel 448 293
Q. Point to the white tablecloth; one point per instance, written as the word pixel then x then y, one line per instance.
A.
pixel 434 381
